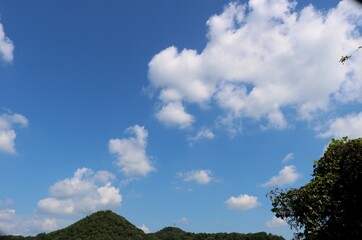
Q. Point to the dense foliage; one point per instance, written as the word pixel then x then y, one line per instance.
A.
pixel 171 233
pixel 329 206
pixel 106 225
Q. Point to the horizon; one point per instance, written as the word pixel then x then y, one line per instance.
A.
pixel 140 228
pixel 170 112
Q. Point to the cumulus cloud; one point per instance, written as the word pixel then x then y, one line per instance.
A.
pixel 276 222
pixel 7 138
pixel 242 202
pixel 7 133
pixel 262 60
pixel 6 46
pixel 199 176
pixel 350 125
pixel 287 175
pixel 131 152
pixel 83 193
pixel 174 114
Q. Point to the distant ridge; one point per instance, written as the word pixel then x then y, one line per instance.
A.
pixel 107 225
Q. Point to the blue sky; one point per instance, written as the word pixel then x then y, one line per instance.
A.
pixel 169 112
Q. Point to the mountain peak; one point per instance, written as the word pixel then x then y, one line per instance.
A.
pixel 100 225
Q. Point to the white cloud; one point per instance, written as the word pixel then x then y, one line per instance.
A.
pixel 7 221
pixel 242 202
pixel 7 134
pixel 131 152
pixel 261 63
pixel 6 46
pixel 276 222
pixel 203 133
pixel 287 175
pixel 7 214
pixel 104 176
pixel 38 224
pixel 182 221
pixel 288 157
pixel 11 223
pixel 84 193
pixel 179 75
pixel 200 176
pixel 174 114
pixel 232 125
pixel 81 194
pixel 350 125
pixel 145 229
pixel 7 120
pixel 7 141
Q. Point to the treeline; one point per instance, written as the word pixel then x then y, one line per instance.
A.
pixel 171 233
pixel 106 225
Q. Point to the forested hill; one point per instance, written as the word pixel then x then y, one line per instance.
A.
pixel 106 225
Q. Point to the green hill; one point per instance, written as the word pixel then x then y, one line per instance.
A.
pixel 170 233
pixel 106 225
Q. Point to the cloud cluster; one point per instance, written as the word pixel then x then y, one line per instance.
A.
pixel 286 176
pixel 131 152
pixel 242 202
pixel 7 133
pixel 11 223
pixel 84 193
pixel 6 46
pixel 199 176
pixel 262 60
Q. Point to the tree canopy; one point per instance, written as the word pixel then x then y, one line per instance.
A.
pixel 329 206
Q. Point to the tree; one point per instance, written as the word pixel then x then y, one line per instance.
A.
pixel 329 206
pixel 346 57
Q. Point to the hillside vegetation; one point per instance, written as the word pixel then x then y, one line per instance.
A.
pixel 106 225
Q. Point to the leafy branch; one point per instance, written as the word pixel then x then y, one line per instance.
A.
pixel 346 57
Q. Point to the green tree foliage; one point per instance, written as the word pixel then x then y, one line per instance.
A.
pixel 329 206
pixel 346 57
pixel 8 237
pixel 172 233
